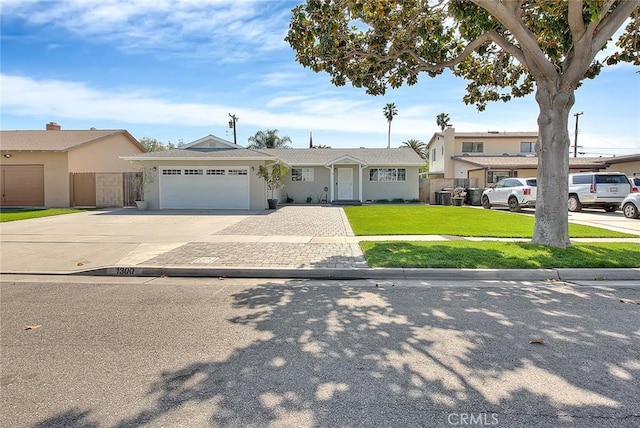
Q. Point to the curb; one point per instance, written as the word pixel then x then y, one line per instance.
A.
pixel 622 274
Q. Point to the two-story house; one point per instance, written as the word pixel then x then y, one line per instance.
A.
pixel 486 157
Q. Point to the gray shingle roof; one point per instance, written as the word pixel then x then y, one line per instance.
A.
pixel 525 161
pixel 55 141
pixel 294 157
pixel 231 153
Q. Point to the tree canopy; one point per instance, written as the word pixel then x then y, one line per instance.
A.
pixel 154 145
pixel 418 146
pixel 443 121
pixel 268 139
pixel 504 49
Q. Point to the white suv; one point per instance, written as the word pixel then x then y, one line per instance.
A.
pixel 512 192
pixel 597 189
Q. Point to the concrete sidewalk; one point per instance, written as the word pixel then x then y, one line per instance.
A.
pixel 292 242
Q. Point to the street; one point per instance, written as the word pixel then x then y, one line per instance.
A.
pixel 128 352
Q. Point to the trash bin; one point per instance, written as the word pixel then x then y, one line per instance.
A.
pixel 445 198
pixel 438 199
pixel 475 196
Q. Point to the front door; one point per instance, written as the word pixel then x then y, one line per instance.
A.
pixel 345 184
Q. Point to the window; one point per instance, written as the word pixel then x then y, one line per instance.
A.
pixel 193 172
pixel 302 174
pixel 433 155
pixel 527 147
pixel 472 147
pixel 387 174
pixel 171 172
pixel 237 172
pixel 216 172
pixel 495 176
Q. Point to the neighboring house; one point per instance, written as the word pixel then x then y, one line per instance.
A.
pixel 487 157
pixel 60 168
pixel 212 173
pixel 628 164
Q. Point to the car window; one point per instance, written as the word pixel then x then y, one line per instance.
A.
pixel 582 179
pixel 500 184
pixel 635 181
pixel 532 182
pixel 611 179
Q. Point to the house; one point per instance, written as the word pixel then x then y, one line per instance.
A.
pixel 484 158
pixel 62 168
pixel 212 173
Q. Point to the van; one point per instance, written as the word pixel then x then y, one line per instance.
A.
pixel 597 189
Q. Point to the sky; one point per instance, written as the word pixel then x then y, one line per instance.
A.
pixel 174 70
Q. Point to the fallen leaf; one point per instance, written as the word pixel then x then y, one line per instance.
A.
pixel 599 278
pixel 537 341
pixel 80 264
pixel 164 275
pixel 636 302
pixel 31 327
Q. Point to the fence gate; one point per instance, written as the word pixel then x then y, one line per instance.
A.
pixel 83 189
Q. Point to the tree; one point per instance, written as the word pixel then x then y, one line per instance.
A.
pixel 389 111
pixel 321 146
pixel 153 145
pixel 268 140
pixel 273 176
pixel 443 121
pixel 418 146
pixel 505 49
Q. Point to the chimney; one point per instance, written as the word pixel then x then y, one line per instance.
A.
pixel 52 126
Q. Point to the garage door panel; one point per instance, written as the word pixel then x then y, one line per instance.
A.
pixel 22 185
pixel 210 189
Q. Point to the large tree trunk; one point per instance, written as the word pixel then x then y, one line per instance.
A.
pixel 552 226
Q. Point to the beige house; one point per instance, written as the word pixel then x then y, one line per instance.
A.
pixel 60 168
pixel 486 157
pixel 212 173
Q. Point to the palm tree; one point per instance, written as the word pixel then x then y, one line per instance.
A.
pixel 268 140
pixel 389 111
pixel 443 121
pixel 418 146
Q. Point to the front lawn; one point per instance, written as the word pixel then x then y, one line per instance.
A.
pixel 19 214
pixel 499 255
pixel 454 221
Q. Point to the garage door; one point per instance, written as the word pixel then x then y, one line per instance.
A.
pixel 23 185
pixel 204 188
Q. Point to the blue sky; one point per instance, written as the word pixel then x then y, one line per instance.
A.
pixel 173 70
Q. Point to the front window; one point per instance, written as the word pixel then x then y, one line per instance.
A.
pixel 388 174
pixel 472 147
pixel 495 176
pixel 527 147
pixel 433 155
pixel 301 174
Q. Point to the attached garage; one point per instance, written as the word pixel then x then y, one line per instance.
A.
pixel 204 187
pixel 23 185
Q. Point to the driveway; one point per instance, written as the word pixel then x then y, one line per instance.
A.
pixel 308 236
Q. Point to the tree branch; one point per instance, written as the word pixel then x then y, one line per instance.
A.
pixel 576 23
pixel 610 23
pixel 535 59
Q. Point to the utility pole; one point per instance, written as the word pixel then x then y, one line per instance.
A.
pixel 575 136
pixel 232 124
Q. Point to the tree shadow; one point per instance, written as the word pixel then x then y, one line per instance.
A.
pixel 386 355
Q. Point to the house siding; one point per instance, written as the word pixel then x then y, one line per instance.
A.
pixel 299 191
pixel 408 189
pixel 104 155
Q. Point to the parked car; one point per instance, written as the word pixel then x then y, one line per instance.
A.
pixel 635 184
pixel 513 192
pixel 631 205
pixel 597 189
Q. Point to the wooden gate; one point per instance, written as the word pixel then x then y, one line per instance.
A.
pixel 83 189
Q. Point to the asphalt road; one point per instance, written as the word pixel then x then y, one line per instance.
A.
pixel 116 352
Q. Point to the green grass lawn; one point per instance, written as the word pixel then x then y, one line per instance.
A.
pixel 499 255
pixel 13 215
pixel 455 221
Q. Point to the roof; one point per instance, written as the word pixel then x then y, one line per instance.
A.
pixel 635 157
pixel 485 135
pixel 56 141
pixel 525 161
pixel 237 152
pixel 298 157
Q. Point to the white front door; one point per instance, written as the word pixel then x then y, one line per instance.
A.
pixel 345 183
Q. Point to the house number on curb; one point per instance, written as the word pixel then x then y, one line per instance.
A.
pixel 124 271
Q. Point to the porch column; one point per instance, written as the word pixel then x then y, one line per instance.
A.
pixel 360 183
pixel 331 179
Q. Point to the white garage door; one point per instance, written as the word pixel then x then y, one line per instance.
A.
pixel 204 188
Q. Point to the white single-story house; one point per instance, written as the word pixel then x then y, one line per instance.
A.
pixel 212 173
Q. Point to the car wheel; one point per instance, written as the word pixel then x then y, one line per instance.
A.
pixel 514 206
pixel 610 208
pixel 574 204
pixel 630 210
pixel 485 202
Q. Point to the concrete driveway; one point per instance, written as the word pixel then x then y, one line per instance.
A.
pixel 292 236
